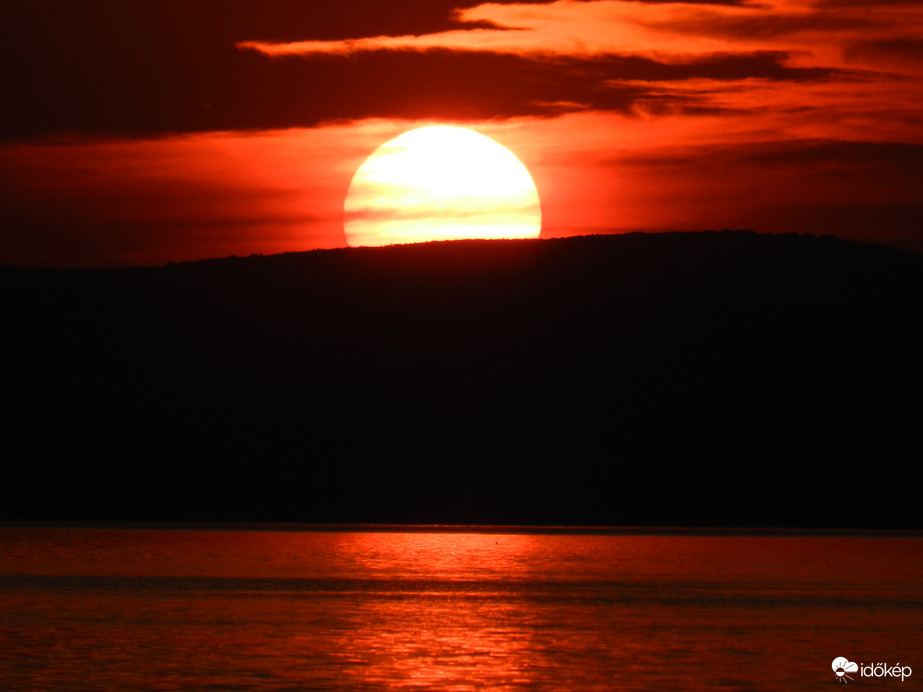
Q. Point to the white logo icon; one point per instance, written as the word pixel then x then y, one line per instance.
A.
pixel 841 666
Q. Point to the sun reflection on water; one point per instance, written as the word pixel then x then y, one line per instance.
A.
pixel 369 610
pixel 445 627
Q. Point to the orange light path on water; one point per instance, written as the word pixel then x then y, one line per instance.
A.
pixel 423 610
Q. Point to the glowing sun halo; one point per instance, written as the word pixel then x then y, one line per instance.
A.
pixel 440 183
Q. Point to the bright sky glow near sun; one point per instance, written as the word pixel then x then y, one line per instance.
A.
pixel 158 131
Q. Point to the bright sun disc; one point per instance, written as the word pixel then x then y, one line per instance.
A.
pixel 440 183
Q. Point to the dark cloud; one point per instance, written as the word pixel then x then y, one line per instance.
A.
pixel 146 67
pixel 873 175
pixel 138 24
pixel 143 81
pixel 147 24
pixel 721 66
pixel 762 26
pixel 898 48
pixel 900 163
pixel 143 65
pixel 875 4
pixel 726 3
pixel 895 156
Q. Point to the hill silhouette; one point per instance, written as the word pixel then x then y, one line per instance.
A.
pixel 719 378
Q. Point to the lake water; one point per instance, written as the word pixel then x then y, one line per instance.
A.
pixel 433 609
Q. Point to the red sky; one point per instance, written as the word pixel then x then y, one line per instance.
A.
pixel 162 130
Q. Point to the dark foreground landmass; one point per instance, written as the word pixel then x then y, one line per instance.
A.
pixel 724 379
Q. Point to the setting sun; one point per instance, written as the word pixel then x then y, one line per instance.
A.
pixel 441 183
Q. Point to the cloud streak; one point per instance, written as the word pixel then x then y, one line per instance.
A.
pixel 227 68
pixel 644 58
pixel 625 27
